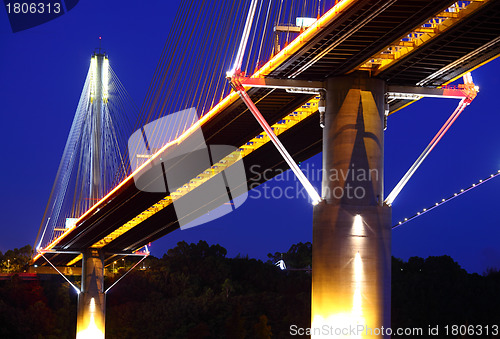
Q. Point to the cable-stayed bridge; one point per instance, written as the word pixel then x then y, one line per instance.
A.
pixel 363 49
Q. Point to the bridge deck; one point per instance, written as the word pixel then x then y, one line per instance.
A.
pixel 342 41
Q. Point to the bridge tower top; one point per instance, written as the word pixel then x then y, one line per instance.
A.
pixel 99 98
pixel 99 50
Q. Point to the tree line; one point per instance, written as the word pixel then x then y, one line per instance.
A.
pixel 196 291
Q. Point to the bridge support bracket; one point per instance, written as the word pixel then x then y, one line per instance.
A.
pixel 290 85
pixel 238 87
pixel 91 314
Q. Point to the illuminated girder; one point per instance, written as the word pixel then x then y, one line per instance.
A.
pixel 421 35
pixel 276 60
pixel 281 126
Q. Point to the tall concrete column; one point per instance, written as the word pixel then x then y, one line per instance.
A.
pixel 92 300
pixel 351 277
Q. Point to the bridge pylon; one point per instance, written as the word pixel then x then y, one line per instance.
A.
pixel 351 276
pixel 91 315
pixel 93 162
pixel 98 98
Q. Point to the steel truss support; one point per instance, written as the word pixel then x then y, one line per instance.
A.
pixel 238 87
pixel 78 291
pixel 313 87
pixel 91 313
pixel 414 92
pixel 466 92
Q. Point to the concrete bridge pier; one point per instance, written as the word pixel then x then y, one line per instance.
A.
pixel 91 314
pixel 351 277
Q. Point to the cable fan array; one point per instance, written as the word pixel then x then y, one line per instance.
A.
pixel 95 157
pixel 191 72
pixel 201 48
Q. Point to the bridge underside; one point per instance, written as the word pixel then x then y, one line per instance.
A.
pixel 342 46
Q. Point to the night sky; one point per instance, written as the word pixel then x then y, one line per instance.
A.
pixel 42 74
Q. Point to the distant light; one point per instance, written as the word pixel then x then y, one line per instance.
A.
pixel 70 222
pixel 454 195
pixel 358 228
pixel 92 331
pixel 281 264
pixel 304 22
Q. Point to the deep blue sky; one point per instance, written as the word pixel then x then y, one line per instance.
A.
pixel 42 73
